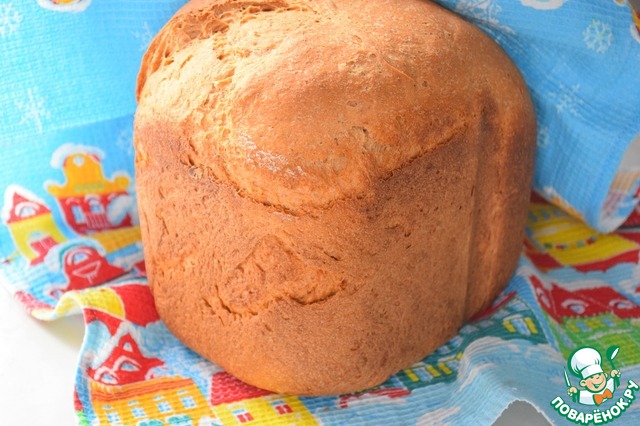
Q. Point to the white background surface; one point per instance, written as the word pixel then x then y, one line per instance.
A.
pixel 38 364
pixel 37 367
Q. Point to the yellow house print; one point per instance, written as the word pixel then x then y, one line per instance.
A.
pixel 82 167
pixel 92 204
pixel 30 224
pixel 155 402
pixel 236 403
pixel 572 243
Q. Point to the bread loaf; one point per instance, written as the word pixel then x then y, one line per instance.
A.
pixel 327 189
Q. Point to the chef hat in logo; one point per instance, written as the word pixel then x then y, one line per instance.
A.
pixel 586 362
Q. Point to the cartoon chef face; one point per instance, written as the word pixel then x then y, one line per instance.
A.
pixel 585 363
pixel 595 383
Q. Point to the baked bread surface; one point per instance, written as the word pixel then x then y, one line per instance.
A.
pixel 327 189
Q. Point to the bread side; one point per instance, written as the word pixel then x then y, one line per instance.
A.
pixel 327 189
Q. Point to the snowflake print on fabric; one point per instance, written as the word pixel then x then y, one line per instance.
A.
pixel 125 141
pixel 567 99
pixel 33 109
pixel 485 12
pixel 10 20
pixel 145 36
pixel 598 36
pixel 543 137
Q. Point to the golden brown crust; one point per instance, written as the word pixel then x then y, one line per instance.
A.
pixel 328 189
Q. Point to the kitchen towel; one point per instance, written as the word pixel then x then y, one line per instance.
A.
pixel 70 241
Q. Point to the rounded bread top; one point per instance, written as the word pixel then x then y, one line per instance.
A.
pixel 297 104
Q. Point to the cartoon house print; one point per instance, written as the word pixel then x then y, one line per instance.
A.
pixel 90 202
pixel 125 364
pixel 164 400
pixel 83 263
pixel 555 239
pixel 112 305
pixel 235 402
pixel 596 316
pixel 124 390
pixel 84 266
pixel 30 224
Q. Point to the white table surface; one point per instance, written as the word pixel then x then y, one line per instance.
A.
pixel 37 367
